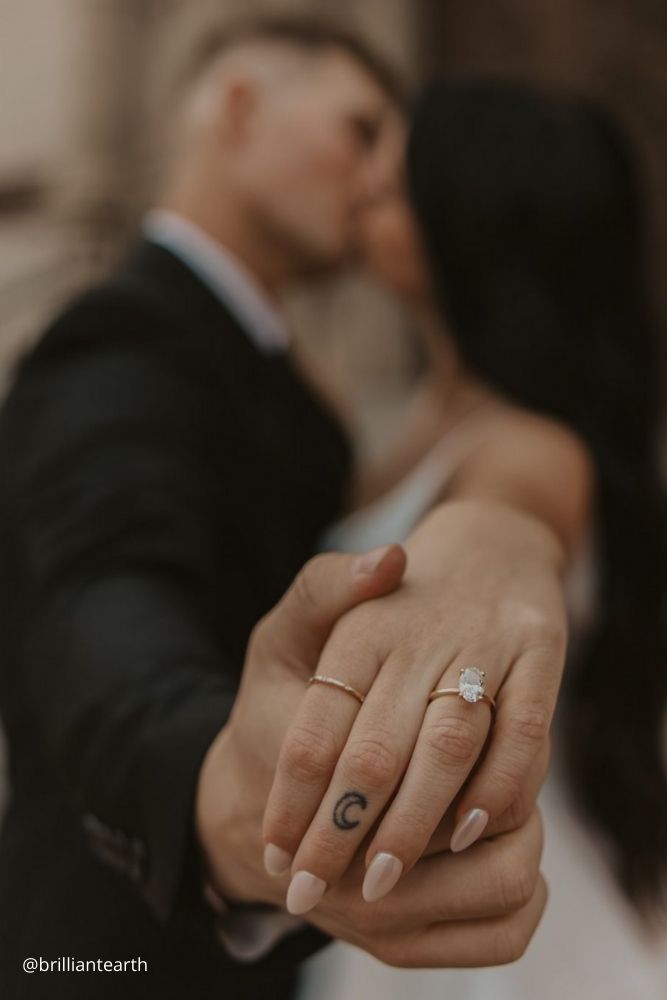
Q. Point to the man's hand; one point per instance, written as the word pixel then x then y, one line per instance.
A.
pixel 466 910
pixel 473 909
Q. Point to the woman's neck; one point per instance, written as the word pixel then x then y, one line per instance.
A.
pixel 455 390
pixel 445 398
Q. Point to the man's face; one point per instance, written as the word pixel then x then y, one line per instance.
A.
pixel 309 160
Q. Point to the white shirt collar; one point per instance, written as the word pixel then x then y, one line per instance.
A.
pixel 223 273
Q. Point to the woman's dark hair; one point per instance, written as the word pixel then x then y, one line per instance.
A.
pixel 531 210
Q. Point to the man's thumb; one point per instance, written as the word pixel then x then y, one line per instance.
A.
pixel 326 588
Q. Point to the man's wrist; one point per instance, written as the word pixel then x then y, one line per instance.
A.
pixel 228 827
pixel 247 928
pixel 214 790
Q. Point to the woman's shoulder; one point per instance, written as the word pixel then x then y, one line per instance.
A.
pixel 526 433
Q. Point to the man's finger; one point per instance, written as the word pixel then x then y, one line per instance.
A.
pixel 491 879
pixel 471 943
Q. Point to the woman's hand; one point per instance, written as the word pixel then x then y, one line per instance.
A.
pixel 479 908
pixel 482 589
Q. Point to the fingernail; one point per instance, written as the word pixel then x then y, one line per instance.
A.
pixel 305 891
pixel 366 564
pixel 276 860
pixel 469 828
pixel 381 876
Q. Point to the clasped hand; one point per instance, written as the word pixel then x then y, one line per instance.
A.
pixel 405 826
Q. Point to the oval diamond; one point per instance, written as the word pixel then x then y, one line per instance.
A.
pixel 471 684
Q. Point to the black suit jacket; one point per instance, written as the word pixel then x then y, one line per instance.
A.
pixel 161 483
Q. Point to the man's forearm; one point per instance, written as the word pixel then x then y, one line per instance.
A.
pixel 128 694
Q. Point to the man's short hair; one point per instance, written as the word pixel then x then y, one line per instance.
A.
pixel 309 35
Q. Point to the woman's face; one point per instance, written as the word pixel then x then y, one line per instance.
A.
pixel 390 238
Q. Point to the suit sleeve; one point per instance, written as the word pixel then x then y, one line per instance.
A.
pixel 111 505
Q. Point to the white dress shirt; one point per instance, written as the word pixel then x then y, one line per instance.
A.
pixel 223 273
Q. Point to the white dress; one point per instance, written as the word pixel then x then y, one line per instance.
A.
pixel 589 945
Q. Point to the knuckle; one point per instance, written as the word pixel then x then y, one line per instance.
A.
pixel 370 921
pixel 309 755
pixel 516 814
pixel 258 637
pixel 381 950
pixel 364 919
pixel 529 727
pixel 382 916
pixel 304 587
pixel 509 773
pixel 516 884
pixel 332 849
pixel 396 953
pixel 371 762
pixel 510 943
pixel 356 630
pixel 452 741
pixel 546 633
pixel 507 778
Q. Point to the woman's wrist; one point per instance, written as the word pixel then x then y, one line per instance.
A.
pixel 457 524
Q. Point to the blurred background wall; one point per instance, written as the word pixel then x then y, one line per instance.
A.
pixel 82 96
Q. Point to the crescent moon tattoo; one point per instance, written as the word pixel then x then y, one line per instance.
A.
pixel 344 804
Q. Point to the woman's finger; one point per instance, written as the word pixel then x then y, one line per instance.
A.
pixel 526 705
pixel 324 591
pixel 516 816
pixel 380 747
pixel 451 739
pixel 308 758
pixel 370 765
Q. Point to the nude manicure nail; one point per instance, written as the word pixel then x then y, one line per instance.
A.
pixel 276 860
pixel 305 891
pixel 469 828
pixel 381 876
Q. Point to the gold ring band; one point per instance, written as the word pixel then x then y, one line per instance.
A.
pixel 443 692
pixel 333 682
